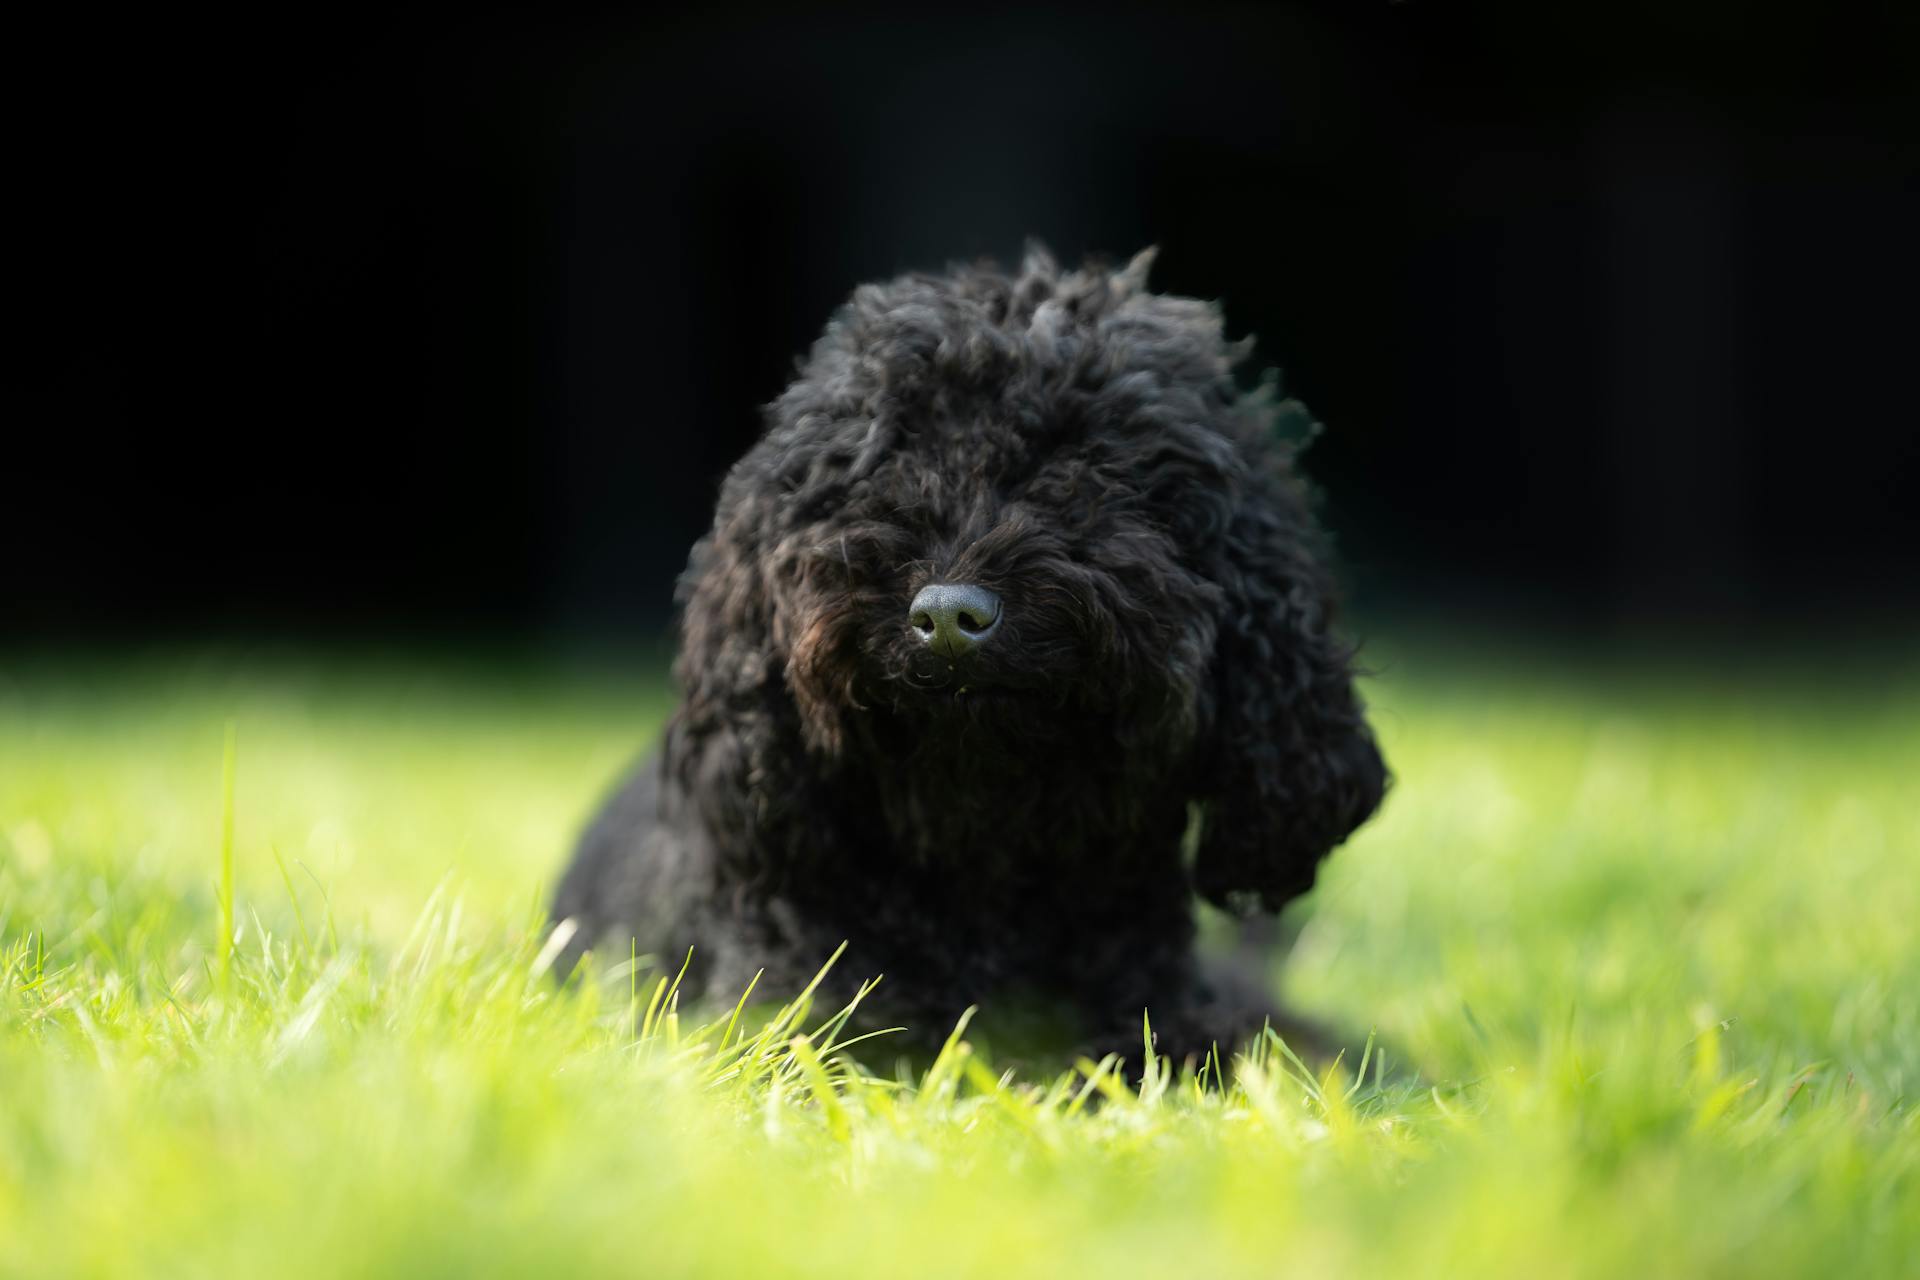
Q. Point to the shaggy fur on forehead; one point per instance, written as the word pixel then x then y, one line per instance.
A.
pixel 1015 823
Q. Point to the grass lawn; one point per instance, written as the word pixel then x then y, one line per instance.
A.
pixel 1643 949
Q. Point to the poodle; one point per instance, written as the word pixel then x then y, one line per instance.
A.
pixel 1012 635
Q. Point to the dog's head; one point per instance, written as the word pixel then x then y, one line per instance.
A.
pixel 1002 519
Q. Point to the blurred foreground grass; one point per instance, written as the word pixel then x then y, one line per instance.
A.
pixel 1643 951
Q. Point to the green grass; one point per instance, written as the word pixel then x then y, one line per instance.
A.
pixel 1644 953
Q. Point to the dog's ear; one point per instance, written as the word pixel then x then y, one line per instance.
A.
pixel 726 620
pixel 1290 767
pixel 732 750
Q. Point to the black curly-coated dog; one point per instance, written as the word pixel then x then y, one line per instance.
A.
pixel 1011 635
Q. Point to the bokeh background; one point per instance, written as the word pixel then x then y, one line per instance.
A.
pixel 443 327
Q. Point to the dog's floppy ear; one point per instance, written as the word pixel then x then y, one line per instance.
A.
pixel 1291 767
pixel 733 747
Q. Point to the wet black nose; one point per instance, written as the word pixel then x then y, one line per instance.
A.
pixel 954 617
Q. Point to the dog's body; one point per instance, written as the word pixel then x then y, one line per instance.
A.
pixel 1016 588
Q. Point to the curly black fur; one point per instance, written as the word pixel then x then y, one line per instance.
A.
pixel 1014 829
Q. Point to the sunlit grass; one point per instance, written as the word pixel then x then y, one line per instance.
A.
pixel 1643 956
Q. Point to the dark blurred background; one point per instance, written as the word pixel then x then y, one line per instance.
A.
pixel 422 325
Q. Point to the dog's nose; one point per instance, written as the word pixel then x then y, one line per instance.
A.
pixel 954 617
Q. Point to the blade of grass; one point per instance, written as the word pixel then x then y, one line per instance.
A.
pixel 821 1085
pixel 740 1004
pixel 299 916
